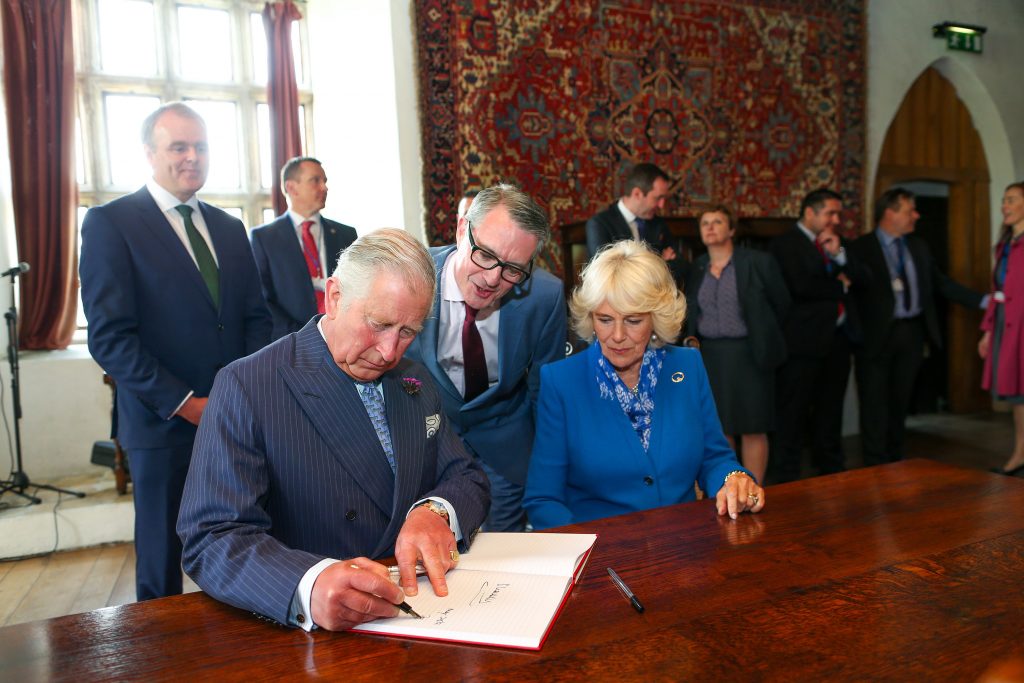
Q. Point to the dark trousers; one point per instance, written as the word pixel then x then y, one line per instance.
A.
pixel 158 479
pixel 811 388
pixel 885 385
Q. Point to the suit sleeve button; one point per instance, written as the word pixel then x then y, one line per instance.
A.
pixel 350 515
pixel 649 481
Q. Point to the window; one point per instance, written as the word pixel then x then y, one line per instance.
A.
pixel 131 55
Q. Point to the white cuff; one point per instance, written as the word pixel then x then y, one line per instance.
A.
pixel 300 614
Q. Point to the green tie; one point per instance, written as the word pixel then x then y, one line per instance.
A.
pixel 207 266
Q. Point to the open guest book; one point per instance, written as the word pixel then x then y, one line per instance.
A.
pixel 506 591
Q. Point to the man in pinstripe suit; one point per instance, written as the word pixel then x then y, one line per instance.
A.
pixel 326 449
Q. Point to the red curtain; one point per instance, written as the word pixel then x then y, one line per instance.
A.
pixel 282 92
pixel 39 72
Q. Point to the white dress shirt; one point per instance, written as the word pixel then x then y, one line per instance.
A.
pixel 167 201
pixel 630 220
pixel 452 315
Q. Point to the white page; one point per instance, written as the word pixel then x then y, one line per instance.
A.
pixel 497 608
pixel 528 553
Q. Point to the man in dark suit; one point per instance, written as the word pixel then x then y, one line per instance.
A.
pixel 819 330
pixel 292 251
pixel 635 216
pixel 897 305
pixel 326 448
pixel 172 295
pixel 495 321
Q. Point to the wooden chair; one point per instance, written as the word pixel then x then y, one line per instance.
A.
pixel 121 475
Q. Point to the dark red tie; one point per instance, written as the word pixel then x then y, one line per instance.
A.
pixel 312 254
pixel 473 360
pixel 828 268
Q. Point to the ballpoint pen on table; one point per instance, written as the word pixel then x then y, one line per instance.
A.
pixel 624 589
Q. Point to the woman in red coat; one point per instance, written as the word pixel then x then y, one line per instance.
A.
pixel 1002 344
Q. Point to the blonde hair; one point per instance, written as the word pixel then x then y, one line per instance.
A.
pixel 632 279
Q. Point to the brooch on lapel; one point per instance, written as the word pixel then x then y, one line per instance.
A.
pixel 432 424
pixel 411 385
pixel 678 377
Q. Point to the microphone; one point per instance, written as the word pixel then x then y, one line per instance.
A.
pixel 17 270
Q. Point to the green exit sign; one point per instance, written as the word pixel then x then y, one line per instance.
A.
pixel 967 42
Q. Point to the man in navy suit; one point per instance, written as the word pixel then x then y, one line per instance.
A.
pixel 820 331
pixel 495 321
pixel 172 295
pixel 900 317
pixel 635 216
pixel 296 251
pixel 327 448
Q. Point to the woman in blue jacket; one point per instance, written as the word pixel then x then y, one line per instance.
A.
pixel 630 423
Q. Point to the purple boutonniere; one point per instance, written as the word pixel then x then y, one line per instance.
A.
pixel 411 385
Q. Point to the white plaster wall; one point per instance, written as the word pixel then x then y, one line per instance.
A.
pixel 901 47
pixel 365 113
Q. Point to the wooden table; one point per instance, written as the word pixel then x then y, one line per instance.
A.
pixel 911 571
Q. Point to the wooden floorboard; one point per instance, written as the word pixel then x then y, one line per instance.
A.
pixel 54 591
pixel 98 587
pixel 17 584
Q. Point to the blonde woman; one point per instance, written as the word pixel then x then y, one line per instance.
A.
pixel 629 424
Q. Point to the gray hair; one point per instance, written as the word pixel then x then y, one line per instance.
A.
pixel 523 211
pixel 179 108
pixel 632 279
pixel 387 249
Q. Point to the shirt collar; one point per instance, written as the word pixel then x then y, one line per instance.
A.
pixel 167 201
pixel 298 220
pixel 449 287
pixel 807 233
pixel 885 238
pixel 626 213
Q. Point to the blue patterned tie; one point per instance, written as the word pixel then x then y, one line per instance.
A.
pixel 641 229
pixel 374 404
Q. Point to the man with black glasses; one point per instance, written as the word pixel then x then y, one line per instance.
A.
pixel 496 320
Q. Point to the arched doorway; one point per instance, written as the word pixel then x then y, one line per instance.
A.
pixel 932 139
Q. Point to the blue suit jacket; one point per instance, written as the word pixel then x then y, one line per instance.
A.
pixel 152 324
pixel 287 470
pixel 286 283
pixel 587 460
pixel 498 424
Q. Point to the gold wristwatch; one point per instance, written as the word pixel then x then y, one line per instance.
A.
pixel 437 509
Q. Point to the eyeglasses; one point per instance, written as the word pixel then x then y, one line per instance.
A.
pixel 488 261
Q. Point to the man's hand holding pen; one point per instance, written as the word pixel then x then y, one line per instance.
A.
pixel 352 592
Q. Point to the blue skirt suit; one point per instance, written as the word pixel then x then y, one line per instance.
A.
pixel 588 462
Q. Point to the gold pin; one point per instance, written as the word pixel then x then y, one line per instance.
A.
pixel 678 377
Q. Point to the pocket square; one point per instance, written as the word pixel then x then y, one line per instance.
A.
pixel 432 424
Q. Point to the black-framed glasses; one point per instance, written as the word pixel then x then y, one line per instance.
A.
pixel 509 273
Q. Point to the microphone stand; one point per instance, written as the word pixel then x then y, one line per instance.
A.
pixel 19 481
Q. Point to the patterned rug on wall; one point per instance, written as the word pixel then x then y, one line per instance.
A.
pixel 747 103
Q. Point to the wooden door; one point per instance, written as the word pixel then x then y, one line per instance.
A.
pixel 933 138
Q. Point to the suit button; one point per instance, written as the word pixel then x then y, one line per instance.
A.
pixel 649 481
pixel 350 515
pixel 220 328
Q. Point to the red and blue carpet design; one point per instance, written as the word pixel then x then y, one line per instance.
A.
pixel 747 103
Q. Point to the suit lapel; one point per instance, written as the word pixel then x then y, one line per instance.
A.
pixel 428 337
pixel 620 224
pixel 169 245
pixel 286 243
pixel 743 277
pixel 331 402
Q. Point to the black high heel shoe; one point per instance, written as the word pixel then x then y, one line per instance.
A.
pixel 1016 471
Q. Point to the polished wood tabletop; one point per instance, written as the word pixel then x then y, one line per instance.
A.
pixel 909 571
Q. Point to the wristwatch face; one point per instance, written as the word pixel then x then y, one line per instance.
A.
pixel 437 509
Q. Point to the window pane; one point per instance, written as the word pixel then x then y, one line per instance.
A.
pixel 222 131
pixel 300 76
pixel 79 153
pixel 263 133
pixel 127 37
pixel 268 215
pixel 259 48
pixel 302 128
pixel 235 211
pixel 124 117
pixel 204 41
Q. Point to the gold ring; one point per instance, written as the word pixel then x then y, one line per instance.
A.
pixel 454 555
pixel 754 497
